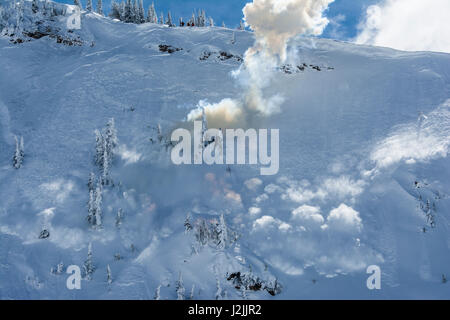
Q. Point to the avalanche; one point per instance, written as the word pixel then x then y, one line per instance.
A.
pixel 363 170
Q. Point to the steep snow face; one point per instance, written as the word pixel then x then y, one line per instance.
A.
pixel 363 180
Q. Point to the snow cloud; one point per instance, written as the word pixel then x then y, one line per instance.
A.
pixel 308 214
pixel 411 25
pixel 274 23
pixel 344 219
pixel 426 139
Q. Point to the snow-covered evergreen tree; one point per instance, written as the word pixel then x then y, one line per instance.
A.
pixel 109 277
pixel 141 12
pixel 19 153
pixel 35 6
pixel 222 233
pixel 158 293
pixel 135 12
pixel 98 148
pixel 223 24
pixel 119 218
pixel 91 182
pixel 88 264
pixel 105 165
pixel 128 12
pixel 211 22
pixel 161 18
pixel 187 223
pixel 100 7
pixel 115 11
pixel 191 296
pixel 91 208
pixel 241 25
pixel 60 268
pixel 193 21
pixel 169 21
pixel 111 136
pixel 218 289
pixel 152 17
pixel 77 3
pixel 89 5
pixel 180 288
pixel 98 205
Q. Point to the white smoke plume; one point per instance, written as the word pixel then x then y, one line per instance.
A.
pixel 274 23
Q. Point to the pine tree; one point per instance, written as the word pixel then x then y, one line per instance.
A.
pixel 99 7
pixel 111 136
pixel 60 268
pixel 244 292
pixel 109 274
pixel 91 182
pixel 152 17
pixel 105 165
pixel 211 22
pixel 91 208
pixel 191 296
pixel 141 12
pixel 135 12
pixel 88 264
pixel 223 24
pixel 119 218
pixel 233 38
pixel 89 5
pixel 161 18
pixel 222 233
pixel 158 293
pixel 193 21
pixel 115 10
pixel 19 153
pixel 219 289
pixel 98 148
pixel 122 11
pixel 35 6
pixel 77 3
pixel 169 20
pixel 98 205
pixel 241 25
pixel 180 288
pixel 187 223
pixel 128 12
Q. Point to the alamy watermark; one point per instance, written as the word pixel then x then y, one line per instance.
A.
pixel 374 281
pixel 73 282
pixel 209 147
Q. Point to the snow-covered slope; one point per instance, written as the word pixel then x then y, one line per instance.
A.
pixel 362 181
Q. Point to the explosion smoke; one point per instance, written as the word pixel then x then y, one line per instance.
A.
pixel 274 23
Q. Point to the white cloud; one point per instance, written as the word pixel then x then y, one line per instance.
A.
pixel 411 25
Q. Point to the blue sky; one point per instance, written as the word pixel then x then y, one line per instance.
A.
pixel 344 14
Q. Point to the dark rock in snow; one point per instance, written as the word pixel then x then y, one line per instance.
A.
pixel 44 234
